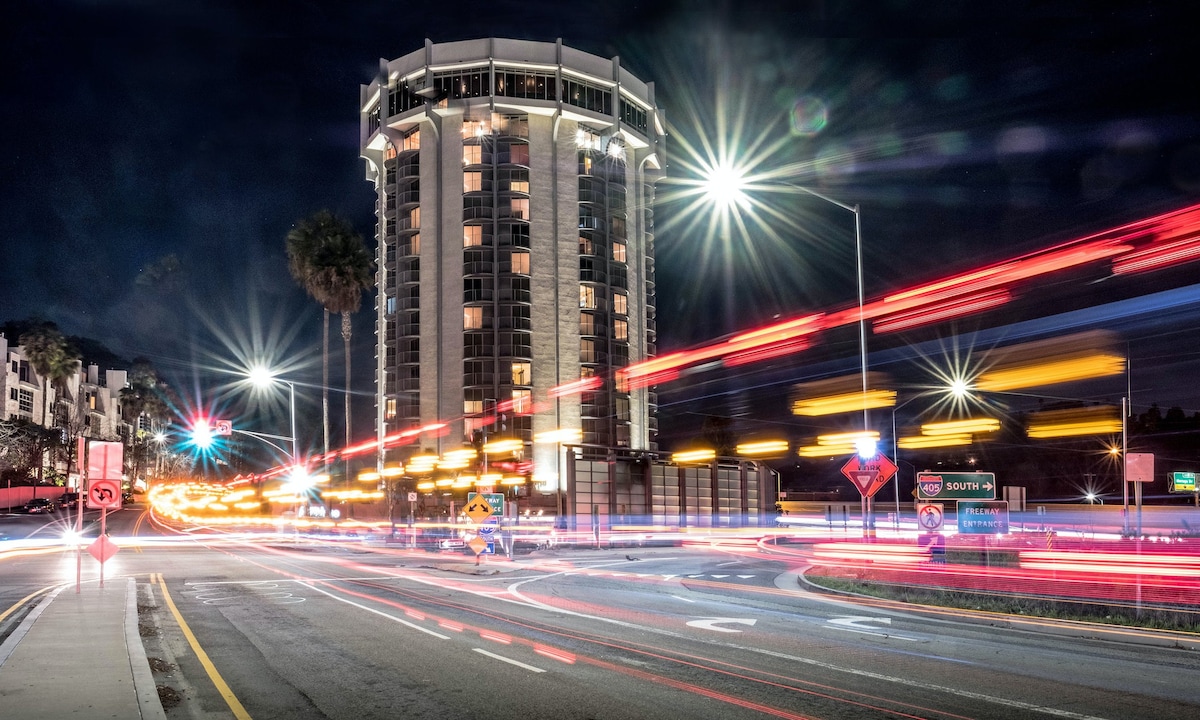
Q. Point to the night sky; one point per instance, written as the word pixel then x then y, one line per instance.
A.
pixel 137 131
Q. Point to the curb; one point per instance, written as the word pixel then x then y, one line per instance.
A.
pixel 143 681
pixel 10 644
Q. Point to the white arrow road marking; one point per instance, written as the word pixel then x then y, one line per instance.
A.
pixel 853 624
pixel 711 623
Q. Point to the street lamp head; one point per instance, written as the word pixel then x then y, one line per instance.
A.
pixel 261 376
pixel 725 186
pixel 960 387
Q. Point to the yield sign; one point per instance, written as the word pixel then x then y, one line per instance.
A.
pixel 869 474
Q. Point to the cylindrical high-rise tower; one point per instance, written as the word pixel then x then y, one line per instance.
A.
pixel 515 186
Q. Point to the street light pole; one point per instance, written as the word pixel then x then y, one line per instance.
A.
pixel 858 258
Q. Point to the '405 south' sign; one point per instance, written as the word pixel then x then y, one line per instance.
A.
pixel 956 486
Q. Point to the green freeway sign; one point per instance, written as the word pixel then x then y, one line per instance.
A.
pixel 983 517
pixel 956 485
pixel 1183 482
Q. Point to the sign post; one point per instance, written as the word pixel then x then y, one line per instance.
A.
pixel 480 511
pixel 105 467
pixel 1139 468
pixel 868 475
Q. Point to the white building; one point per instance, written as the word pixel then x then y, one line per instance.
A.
pixel 515 192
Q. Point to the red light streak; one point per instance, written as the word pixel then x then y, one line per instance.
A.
pixel 944 311
pixel 495 637
pixel 1115 563
pixel 555 654
pixel 576 387
pixel 1158 256
pixel 765 353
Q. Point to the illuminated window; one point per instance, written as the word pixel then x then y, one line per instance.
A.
pixel 587 323
pixel 520 208
pixel 472 407
pixel 519 154
pixel 412 141
pixel 472 318
pixel 587 372
pixel 519 186
pixel 472 235
pixel 520 263
pixel 472 181
pixel 585 246
pixel 621 330
pixel 587 297
pixel 620 303
pixel 587 165
pixel 587 350
pixel 391 409
pixel 472 155
pixel 414 218
pixel 622 408
pixel 522 400
pixel 619 252
pixel 522 373
pixel 475 128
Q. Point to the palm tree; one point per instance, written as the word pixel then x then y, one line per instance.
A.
pixel 55 360
pixel 330 261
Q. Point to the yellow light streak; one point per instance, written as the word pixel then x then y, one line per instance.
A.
pixel 694 456
pixel 763 447
pixel 1051 373
pixel 845 402
pixel 916 442
pixel 847 438
pixel 957 427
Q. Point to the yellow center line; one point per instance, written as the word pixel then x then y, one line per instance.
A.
pixel 230 699
pixel 17 605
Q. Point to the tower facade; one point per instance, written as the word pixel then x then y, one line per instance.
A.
pixel 515 192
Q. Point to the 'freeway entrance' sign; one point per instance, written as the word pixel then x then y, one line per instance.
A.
pixel 956 485
pixel 983 517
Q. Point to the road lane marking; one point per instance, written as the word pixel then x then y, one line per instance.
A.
pixel 360 606
pixel 816 663
pixel 18 604
pixel 854 624
pixel 235 705
pixel 712 622
pixel 510 661
pixel 680 597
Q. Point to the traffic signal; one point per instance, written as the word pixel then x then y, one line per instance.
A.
pixel 202 434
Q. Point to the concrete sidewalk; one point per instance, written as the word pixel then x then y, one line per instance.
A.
pixel 79 655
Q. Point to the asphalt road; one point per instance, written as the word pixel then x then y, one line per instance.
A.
pixel 288 628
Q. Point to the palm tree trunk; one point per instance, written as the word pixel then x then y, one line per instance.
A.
pixel 346 343
pixel 325 385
